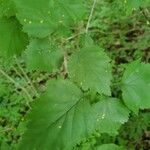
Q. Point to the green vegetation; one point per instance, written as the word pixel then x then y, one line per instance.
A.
pixel 74 75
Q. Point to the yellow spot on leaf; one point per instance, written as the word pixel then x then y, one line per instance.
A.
pixel 59 127
pixel 25 20
pixel 103 116
pixel 147 22
pixel 41 21
pixel 60 21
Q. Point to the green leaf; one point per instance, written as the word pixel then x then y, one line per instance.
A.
pixel 4 146
pixel 7 8
pixel 90 68
pixel 61 118
pixel 131 5
pixel 42 55
pixel 12 40
pixel 136 86
pixel 86 41
pixel 46 16
pixel 111 114
pixel 110 147
pixel 52 118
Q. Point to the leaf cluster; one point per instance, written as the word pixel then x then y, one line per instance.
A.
pixel 78 101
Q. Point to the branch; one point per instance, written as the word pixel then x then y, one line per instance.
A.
pixel 145 13
pixel 90 16
pixel 27 78
pixel 17 85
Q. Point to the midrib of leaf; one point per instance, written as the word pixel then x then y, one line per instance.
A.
pixel 64 114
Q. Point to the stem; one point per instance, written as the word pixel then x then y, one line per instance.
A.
pixel 74 36
pixel 17 72
pixel 145 13
pixel 65 63
pixel 5 130
pixel 20 75
pixel 90 16
pixel 27 78
pixel 17 85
